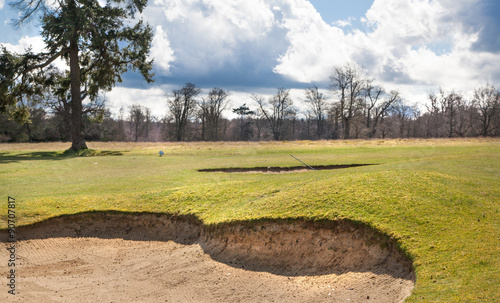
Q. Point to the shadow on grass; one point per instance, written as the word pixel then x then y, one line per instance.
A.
pixel 55 155
pixel 277 169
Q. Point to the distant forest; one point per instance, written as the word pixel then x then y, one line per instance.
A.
pixel 354 108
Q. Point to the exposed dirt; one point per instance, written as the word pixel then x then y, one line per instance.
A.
pixel 278 169
pixel 116 257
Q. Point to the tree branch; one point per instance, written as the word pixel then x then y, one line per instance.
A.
pixel 46 63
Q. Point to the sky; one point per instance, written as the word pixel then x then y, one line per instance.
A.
pixel 257 46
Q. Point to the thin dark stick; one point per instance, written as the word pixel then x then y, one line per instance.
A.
pixel 302 162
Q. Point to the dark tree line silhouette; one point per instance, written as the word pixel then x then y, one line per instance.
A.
pixel 353 107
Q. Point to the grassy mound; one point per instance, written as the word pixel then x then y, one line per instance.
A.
pixel 439 198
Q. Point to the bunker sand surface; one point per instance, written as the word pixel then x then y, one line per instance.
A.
pixel 133 257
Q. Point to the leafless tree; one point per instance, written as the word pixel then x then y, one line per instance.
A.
pixel 450 109
pixel 259 127
pixel 137 120
pixel 376 111
pixel 434 117
pixel 348 82
pixel 181 105
pixel 455 110
pixel 210 113
pixel 149 119
pixel 120 132
pixel 442 112
pixel 277 110
pixel 317 105
pixel 487 102
pixel 309 118
pixel 403 112
pixel 372 96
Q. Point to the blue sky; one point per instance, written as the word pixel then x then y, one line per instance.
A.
pixel 335 10
pixel 414 46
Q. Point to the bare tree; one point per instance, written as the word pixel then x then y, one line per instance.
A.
pixel 454 111
pixel 181 105
pixel 380 110
pixel 442 111
pixel 435 116
pixel 487 102
pixel 309 118
pixel 449 114
pixel 137 120
pixel 121 127
pixel 210 113
pixel 372 96
pixel 148 117
pixel 259 126
pixel 348 82
pixel 374 112
pixel 461 119
pixel 450 108
pixel 317 105
pixel 280 109
pixel 403 112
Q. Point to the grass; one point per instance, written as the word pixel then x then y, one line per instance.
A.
pixel 439 198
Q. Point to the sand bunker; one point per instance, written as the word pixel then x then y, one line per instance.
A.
pixel 120 257
pixel 278 169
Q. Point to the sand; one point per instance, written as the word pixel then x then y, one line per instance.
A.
pixel 116 257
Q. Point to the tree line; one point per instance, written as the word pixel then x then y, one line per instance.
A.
pixel 352 108
pixel 99 42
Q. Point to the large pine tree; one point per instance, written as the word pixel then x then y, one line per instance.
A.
pixel 99 43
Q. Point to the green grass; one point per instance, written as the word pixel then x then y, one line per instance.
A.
pixel 439 198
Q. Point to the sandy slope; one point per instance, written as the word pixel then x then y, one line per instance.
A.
pixel 150 258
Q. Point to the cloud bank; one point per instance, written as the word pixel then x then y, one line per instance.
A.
pixel 411 45
pixel 440 43
pixel 406 42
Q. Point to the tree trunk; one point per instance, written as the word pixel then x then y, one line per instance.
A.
pixel 77 136
pixel 67 128
pixel 320 127
pixel 347 128
pixel 30 139
pixel 276 136
pixel 451 122
pixel 180 131
pixel 66 114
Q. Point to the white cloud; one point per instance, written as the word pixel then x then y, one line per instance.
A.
pixel 344 23
pixel 154 98
pixel 398 45
pixel 290 37
pixel 397 50
pixel 250 18
pixel 314 45
pixel 35 43
pixel 406 22
pixel 161 50
pixel 2 2
pixel 207 35
pixel 402 39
